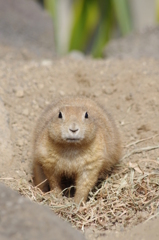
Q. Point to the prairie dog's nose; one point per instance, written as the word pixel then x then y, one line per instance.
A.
pixel 73 128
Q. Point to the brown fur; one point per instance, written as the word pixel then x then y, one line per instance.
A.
pixel 74 149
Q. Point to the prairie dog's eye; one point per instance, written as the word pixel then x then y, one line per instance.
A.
pixel 60 115
pixel 86 115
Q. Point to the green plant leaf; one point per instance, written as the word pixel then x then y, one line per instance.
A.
pixel 122 15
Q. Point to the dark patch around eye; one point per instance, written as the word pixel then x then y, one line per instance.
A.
pixel 60 115
pixel 86 115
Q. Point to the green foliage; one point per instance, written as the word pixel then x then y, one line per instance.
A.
pixel 122 15
pixel 87 26
pixel 93 23
pixel 157 12
pixel 51 7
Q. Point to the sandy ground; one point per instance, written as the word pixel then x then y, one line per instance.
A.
pixel 128 88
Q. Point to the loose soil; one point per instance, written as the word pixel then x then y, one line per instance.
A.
pixel 129 89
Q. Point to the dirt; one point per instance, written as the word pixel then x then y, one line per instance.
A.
pixel 135 45
pixel 128 88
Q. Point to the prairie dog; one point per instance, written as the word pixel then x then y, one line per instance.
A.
pixel 75 142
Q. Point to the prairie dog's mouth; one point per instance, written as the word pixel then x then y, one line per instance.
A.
pixel 73 139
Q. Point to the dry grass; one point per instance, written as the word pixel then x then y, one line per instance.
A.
pixel 129 196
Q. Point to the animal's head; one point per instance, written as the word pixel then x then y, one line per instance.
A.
pixel 72 124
